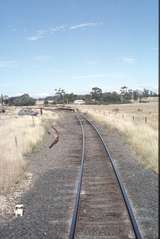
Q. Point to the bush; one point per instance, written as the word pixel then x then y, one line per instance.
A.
pixel 46 102
pixel 23 100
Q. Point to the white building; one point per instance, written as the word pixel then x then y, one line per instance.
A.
pixel 79 102
pixel 40 102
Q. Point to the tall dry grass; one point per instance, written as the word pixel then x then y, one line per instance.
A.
pixel 18 136
pixel 141 136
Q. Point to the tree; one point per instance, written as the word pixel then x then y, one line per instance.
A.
pixel 2 100
pixel 135 95
pixel 123 93
pixel 126 95
pixel 23 100
pixel 69 98
pixel 124 90
pixel 96 94
pixel 130 94
pixel 145 92
pixel 45 102
pixel 111 97
pixel 5 99
pixel 88 99
pixel 140 95
pixel 59 95
pixel 153 94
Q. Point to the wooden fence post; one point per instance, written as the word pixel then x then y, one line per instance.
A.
pixel 145 118
pixel 16 142
pixel 33 121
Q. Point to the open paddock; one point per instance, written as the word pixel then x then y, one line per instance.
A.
pixel 137 123
pixel 19 136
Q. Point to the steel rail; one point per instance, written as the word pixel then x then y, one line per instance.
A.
pixel 79 182
pixel 122 188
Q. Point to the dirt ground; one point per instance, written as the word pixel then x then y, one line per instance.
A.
pixel 140 183
pixel 47 191
pixel 48 188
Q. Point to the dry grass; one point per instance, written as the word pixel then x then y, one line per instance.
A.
pixel 18 136
pixel 142 136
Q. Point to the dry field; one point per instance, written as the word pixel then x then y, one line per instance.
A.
pixel 19 136
pixel 138 125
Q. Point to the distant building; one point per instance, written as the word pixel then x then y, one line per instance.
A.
pixel 51 101
pixel 79 102
pixel 39 102
pixel 149 99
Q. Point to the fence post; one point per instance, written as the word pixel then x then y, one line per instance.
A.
pixel 33 121
pixel 145 118
pixel 133 117
pixel 16 142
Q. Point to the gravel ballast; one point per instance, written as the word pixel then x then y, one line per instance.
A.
pixel 140 183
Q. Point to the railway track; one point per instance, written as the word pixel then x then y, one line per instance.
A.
pixel 102 209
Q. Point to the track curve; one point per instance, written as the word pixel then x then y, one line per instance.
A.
pixel 102 208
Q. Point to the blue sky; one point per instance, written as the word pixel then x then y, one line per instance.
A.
pixel 77 44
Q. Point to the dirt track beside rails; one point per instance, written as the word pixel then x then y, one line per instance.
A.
pixel 140 183
pixel 49 193
pixel 49 199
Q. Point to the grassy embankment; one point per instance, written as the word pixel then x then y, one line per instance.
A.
pixel 18 136
pixel 138 125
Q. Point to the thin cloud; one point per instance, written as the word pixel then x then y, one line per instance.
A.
pixel 58 29
pixel 84 25
pixel 38 35
pixel 129 60
pixel 44 33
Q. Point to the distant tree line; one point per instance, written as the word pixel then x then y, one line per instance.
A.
pixel 23 100
pixel 96 96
